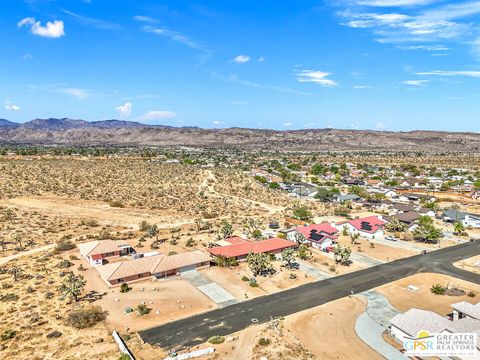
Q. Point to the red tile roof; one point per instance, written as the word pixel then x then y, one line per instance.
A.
pixel 374 222
pixel 235 240
pixel 325 228
pixel 245 247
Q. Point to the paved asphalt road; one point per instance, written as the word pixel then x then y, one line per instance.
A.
pixel 197 329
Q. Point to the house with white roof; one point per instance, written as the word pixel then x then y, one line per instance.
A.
pixel 465 318
pixel 97 252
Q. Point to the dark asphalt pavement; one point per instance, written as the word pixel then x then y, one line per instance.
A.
pixel 197 329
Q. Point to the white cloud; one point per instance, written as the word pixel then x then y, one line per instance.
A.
pixel 26 21
pixel 93 22
pixel 287 124
pixel 27 56
pixel 53 29
pixel 157 115
pixel 242 59
pixel 174 36
pixel 125 110
pixel 468 73
pixel 435 24
pixel 380 126
pixel 142 18
pixel 11 107
pixel 359 87
pixel 353 126
pixel 425 47
pixel 216 122
pixel 261 59
pixel 79 94
pixel 234 79
pixel 393 3
pixel 317 77
pixel 416 82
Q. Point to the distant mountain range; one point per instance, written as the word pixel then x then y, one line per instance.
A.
pixel 129 133
pixel 66 123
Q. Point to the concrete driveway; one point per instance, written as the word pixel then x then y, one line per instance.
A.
pixel 211 289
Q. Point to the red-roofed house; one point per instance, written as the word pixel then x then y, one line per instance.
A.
pixel 320 236
pixel 370 227
pixel 239 248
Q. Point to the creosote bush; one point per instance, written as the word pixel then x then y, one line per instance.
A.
pixel 86 317
pixel 217 339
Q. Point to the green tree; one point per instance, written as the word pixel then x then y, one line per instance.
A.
pixel 288 257
pixel 274 186
pixel 226 230
pixel 303 252
pixel 426 230
pixel 259 264
pixel 302 213
pixel 342 254
pixel 152 231
pixel 476 185
pixel 395 225
pixel 459 228
pixel 324 195
pixel 72 286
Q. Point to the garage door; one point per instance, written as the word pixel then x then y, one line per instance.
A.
pixel 188 268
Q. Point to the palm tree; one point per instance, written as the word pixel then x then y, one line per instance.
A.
pixel 72 286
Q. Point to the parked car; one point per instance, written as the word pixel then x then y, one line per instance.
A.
pixel 391 238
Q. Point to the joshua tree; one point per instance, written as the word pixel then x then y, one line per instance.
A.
pixel 342 254
pixel 18 239
pixel 152 231
pixel 199 224
pixel 252 227
pixel 288 256
pixel 72 286
pixel 259 263
pixel 3 244
pixel 226 230
pixel 15 271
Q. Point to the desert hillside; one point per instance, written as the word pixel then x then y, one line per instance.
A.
pixel 79 132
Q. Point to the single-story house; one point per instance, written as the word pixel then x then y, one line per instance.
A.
pixel 407 196
pixel 160 266
pixel 426 212
pixel 239 248
pixel 369 227
pixel 468 220
pixel 96 252
pixel 320 236
pixel 389 193
pixel 352 181
pixel 348 197
pixel 409 218
pixel 464 319
pixel 402 208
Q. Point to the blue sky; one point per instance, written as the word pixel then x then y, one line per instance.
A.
pixel 288 64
